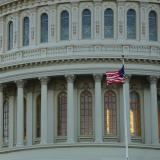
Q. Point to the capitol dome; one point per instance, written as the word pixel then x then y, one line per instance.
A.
pixel 54 100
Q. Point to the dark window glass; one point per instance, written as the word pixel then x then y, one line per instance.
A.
pixel 10 35
pixel 108 23
pixel 25 31
pixel 62 114
pixel 86 121
pixel 158 98
pixel 131 24
pixel 64 25
pixel 110 114
pixel 25 118
pixel 5 122
pixel 152 26
pixel 38 116
pixel 135 115
pixel 86 24
pixel 44 28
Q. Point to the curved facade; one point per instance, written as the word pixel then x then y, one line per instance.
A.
pixel 54 102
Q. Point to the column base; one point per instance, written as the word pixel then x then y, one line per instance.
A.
pixel 20 145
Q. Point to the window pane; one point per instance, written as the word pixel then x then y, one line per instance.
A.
pixel 131 24
pixel 64 25
pixel 62 114
pixel 158 98
pixel 5 122
pixel 86 24
pixel 25 31
pixel 10 35
pixel 86 114
pixel 38 116
pixel 108 23
pixel 44 27
pixel 153 26
pixel 135 115
pixel 110 114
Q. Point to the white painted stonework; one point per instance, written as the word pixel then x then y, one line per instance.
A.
pixel 41 71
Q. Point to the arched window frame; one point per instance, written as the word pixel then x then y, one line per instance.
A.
pixel 115 132
pixel 10 35
pixel 84 36
pixel 44 27
pixel 90 133
pixel 137 128
pixel 131 27
pixel 5 122
pixel 153 36
pixel 64 29
pixel 26 31
pixel 111 27
pixel 62 111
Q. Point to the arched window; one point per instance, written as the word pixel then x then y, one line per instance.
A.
pixel 131 24
pixel 152 26
pixel 64 25
pixel 135 115
pixel 110 114
pixel 25 118
pixel 86 121
pixel 38 116
pixel 25 31
pixel 62 114
pixel 10 35
pixel 5 121
pixel 86 24
pixel 44 28
pixel 158 98
pixel 108 23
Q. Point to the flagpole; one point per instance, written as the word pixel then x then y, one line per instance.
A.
pixel 125 118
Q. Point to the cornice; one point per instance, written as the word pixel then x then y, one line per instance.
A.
pixel 11 6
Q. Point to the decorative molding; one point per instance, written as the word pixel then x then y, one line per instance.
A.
pixel 70 78
pixel 97 77
pixel 44 80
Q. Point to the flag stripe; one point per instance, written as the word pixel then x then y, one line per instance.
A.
pixel 116 77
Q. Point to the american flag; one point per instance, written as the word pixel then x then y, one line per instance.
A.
pixel 115 77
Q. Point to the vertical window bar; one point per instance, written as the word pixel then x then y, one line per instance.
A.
pixel 108 23
pixel 25 31
pixel 152 26
pixel 62 114
pixel 86 24
pixel 44 28
pixel 131 24
pixel 64 26
pixel 10 35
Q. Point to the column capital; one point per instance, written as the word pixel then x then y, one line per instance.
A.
pixel 44 80
pixel 20 83
pixel 70 78
pixel 97 77
pixel 153 79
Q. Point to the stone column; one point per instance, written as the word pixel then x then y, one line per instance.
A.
pixel 1 115
pixel 154 110
pixel 29 126
pixel 44 116
pixel 70 109
pixel 11 119
pixel 20 113
pixel 126 89
pixel 98 109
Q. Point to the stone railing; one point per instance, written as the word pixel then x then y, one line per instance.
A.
pixel 79 51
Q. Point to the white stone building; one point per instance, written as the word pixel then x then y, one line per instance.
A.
pixel 54 102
